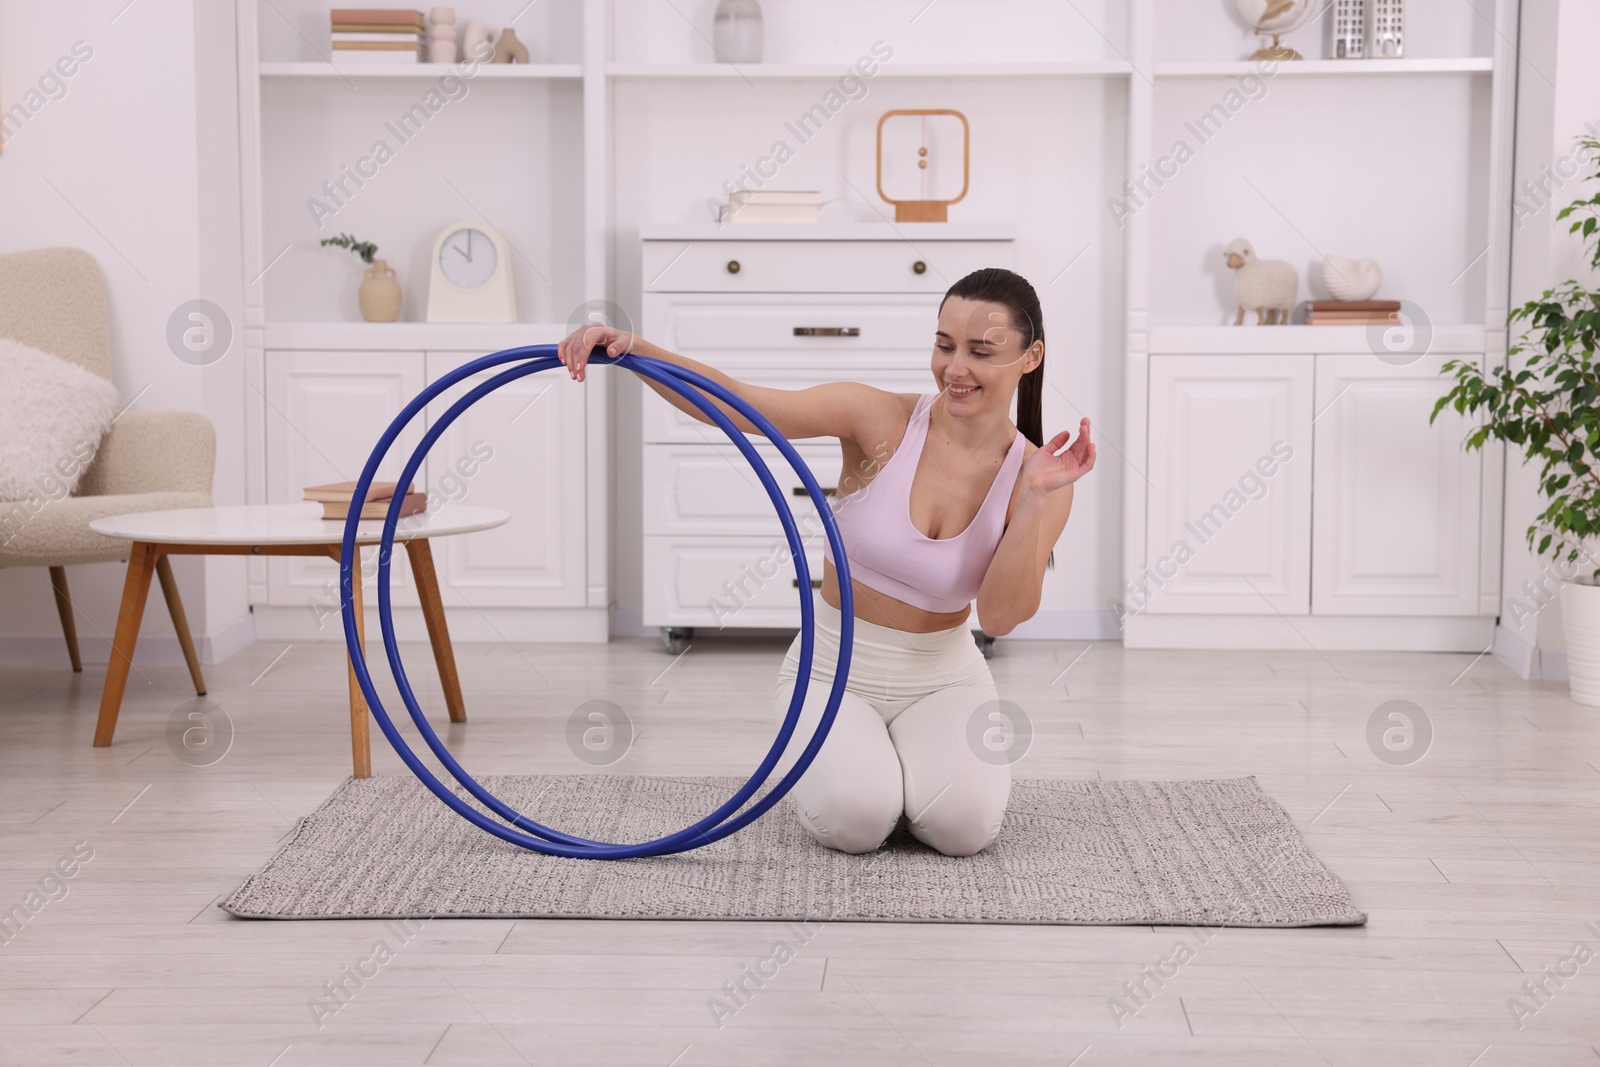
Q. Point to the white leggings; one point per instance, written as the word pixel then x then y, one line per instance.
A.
pixel 899 743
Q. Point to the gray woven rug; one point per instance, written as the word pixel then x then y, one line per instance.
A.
pixel 1211 852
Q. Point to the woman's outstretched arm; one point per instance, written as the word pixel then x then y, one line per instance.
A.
pixel 834 409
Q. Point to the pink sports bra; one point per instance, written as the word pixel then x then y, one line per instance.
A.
pixel 888 553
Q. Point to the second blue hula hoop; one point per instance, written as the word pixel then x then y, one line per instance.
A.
pixel 720 823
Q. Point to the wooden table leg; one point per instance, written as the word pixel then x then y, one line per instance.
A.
pixel 135 588
pixel 180 622
pixel 421 557
pixel 360 739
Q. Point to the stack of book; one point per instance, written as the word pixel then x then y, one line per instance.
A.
pixel 1352 312
pixel 772 205
pixel 378 35
pixel 336 498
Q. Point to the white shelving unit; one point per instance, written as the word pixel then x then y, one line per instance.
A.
pixel 520 146
pixel 1355 546
pixel 809 71
pixel 417 71
pixel 624 122
pixel 1343 68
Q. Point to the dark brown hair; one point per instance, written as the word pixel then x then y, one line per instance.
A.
pixel 1000 286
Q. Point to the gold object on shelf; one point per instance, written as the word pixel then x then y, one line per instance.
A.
pixel 1275 51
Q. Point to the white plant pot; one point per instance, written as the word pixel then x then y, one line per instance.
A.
pixel 1580 618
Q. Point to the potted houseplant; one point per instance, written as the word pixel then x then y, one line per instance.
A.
pixel 379 295
pixel 1547 403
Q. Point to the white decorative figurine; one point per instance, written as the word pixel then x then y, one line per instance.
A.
pixel 477 41
pixel 1349 39
pixel 1268 285
pixel 1351 279
pixel 1386 29
pixel 442 35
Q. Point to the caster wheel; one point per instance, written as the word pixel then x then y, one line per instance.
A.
pixel 673 637
pixel 986 645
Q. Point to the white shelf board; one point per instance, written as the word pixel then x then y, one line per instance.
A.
pixel 483 337
pixel 424 71
pixel 758 71
pixel 1311 68
pixel 1296 340
pixel 826 231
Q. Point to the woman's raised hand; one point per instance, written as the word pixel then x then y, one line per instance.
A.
pixel 576 348
pixel 1047 472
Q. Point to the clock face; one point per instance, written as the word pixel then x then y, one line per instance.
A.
pixel 467 259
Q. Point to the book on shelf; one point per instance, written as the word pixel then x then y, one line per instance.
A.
pixel 376 46
pixel 394 29
pixel 772 205
pixel 336 498
pixel 1353 305
pixel 375 16
pixel 396 40
pixel 1353 313
pixel 1353 318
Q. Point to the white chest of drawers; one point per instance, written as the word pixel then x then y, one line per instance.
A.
pixel 784 306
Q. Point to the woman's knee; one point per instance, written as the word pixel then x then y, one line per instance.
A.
pixel 854 822
pixel 850 797
pixel 955 796
pixel 960 833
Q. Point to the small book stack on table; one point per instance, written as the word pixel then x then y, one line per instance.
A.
pixel 335 499
pixel 1352 312
pixel 378 35
pixel 772 205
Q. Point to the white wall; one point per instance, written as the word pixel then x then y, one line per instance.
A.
pixel 1558 90
pixel 129 159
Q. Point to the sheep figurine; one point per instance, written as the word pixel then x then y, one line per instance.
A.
pixel 1268 285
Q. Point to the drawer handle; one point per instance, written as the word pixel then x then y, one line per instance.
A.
pixel 816 583
pixel 827 490
pixel 919 267
pixel 827 331
pixel 733 266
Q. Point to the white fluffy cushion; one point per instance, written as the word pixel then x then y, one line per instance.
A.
pixel 53 414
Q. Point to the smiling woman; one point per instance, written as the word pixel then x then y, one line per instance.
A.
pixel 966 506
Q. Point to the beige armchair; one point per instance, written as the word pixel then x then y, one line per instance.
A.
pixel 55 300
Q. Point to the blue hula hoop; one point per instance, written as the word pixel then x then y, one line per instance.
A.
pixel 531 359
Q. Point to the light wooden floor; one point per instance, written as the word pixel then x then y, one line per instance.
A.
pixel 1479 866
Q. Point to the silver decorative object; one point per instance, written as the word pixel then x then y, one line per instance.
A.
pixel 1349 40
pixel 1386 30
pixel 736 31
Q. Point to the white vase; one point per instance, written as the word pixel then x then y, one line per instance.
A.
pixel 736 31
pixel 1580 624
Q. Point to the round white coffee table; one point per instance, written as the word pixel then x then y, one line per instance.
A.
pixel 277 530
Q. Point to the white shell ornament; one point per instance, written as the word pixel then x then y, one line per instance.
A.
pixel 1351 279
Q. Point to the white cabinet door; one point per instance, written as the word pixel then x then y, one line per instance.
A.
pixel 1229 487
pixel 716 582
pixel 519 448
pixel 713 490
pixel 325 413
pixel 1396 524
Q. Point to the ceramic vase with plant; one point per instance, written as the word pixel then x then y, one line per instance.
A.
pixel 379 295
pixel 1545 400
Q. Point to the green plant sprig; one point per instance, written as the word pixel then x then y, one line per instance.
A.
pixel 1548 404
pixel 365 249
